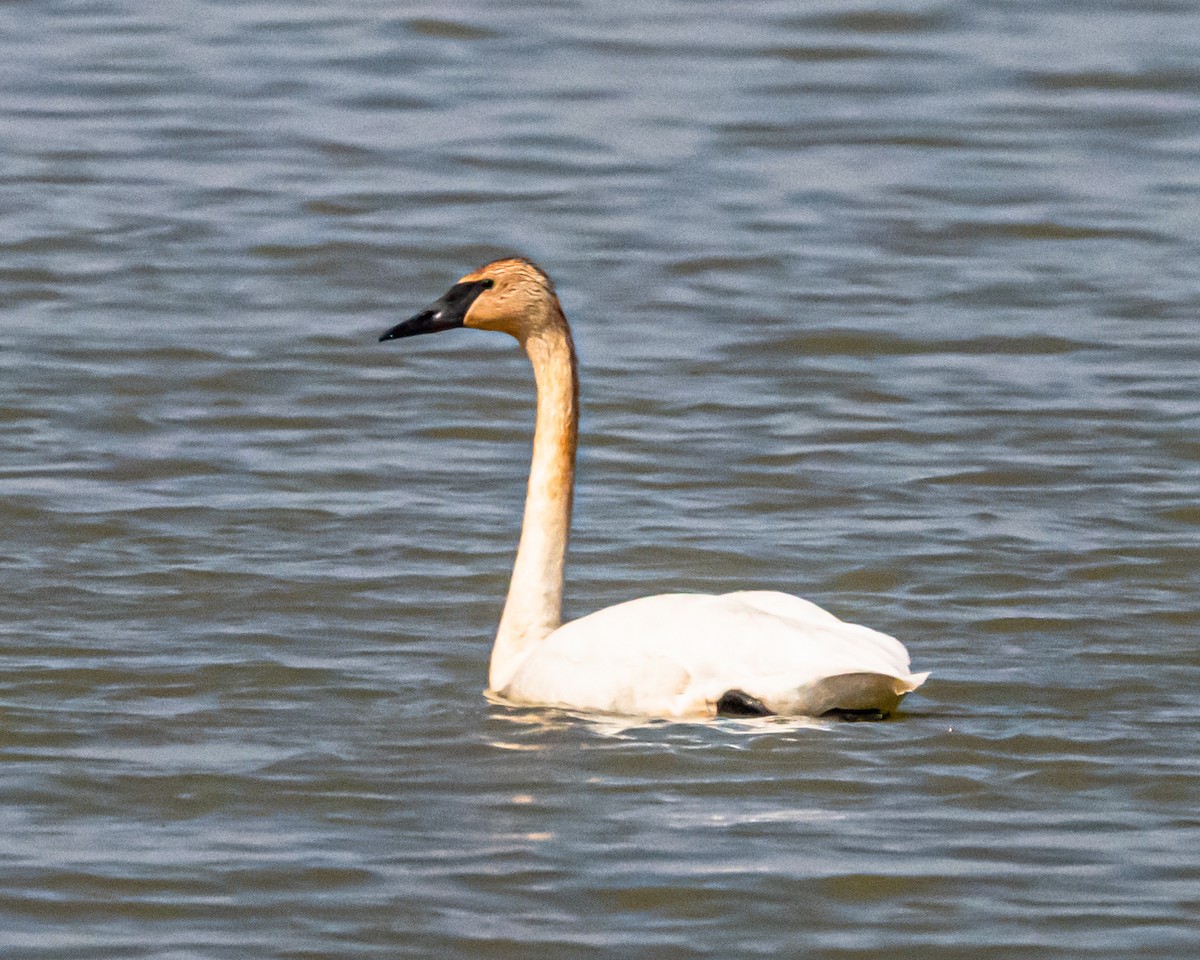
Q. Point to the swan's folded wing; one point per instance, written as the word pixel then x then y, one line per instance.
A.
pixel 806 615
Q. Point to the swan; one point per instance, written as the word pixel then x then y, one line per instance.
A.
pixel 675 656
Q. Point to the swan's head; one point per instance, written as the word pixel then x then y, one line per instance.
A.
pixel 512 295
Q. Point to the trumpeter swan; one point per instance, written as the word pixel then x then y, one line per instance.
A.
pixel 672 655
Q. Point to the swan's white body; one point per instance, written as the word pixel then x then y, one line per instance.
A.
pixel 677 654
pixel 672 655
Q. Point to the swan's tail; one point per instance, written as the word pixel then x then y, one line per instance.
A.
pixel 914 680
pixel 852 693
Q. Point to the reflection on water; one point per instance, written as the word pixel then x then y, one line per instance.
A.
pixel 891 306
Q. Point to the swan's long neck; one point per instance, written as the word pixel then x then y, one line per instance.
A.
pixel 534 606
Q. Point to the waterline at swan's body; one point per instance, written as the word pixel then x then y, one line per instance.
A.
pixel 673 655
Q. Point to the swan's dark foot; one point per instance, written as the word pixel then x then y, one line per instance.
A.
pixel 736 703
pixel 855 716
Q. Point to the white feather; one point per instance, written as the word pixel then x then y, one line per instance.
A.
pixel 675 655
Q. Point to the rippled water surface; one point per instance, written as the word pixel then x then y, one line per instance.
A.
pixel 891 305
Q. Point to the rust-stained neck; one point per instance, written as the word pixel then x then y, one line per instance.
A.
pixel 533 608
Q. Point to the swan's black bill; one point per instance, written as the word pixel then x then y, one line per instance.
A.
pixel 445 313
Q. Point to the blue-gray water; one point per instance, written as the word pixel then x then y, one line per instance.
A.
pixel 892 305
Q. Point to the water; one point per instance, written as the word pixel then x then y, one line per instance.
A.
pixel 891 305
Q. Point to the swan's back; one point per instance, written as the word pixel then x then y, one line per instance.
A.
pixel 677 655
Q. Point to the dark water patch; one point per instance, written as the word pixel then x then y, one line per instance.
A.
pixel 824 54
pixel 450 29
pixel 1183 79
pixel 880 20
pixel 872 343
pixel 698 266
pixel 869 580
pixel 1017 477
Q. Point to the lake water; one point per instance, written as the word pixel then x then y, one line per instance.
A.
pixel 892 305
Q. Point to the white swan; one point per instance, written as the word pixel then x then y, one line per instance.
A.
pixel 673 655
